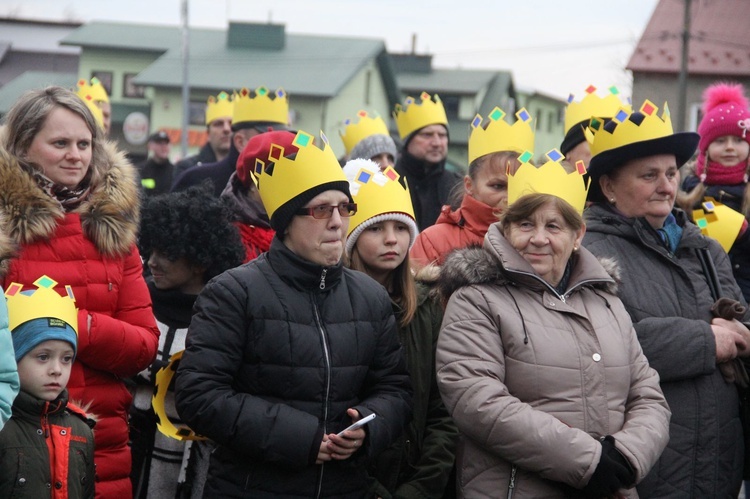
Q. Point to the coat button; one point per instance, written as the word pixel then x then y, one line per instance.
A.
pixel 63 432
pixel 21 481
pixel 596 357
pixel 58 485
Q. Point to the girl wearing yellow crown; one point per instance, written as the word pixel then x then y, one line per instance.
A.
pixel 672 278
pixel 70 204
pixel 380 234
pixel 537 360
pixel 494 148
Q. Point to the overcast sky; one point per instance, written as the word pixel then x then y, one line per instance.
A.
pixel 555 47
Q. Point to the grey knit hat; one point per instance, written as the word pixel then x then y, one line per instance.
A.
pixel 371 146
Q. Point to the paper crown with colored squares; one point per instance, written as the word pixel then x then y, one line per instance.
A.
pixel 498 135
pixel 719 222
pixel 363 126
pixel 43 302
pixel 220 106
pixel 593 106
pixel 90 95
pixel 627 127
pixel 550 178
pixel 284 178
pixel 377 192
pixel 260 105
pixel 419 113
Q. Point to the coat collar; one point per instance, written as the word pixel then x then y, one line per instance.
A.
pixel 472 215
pixel 300 273
pixel 109 216
pixel 497 261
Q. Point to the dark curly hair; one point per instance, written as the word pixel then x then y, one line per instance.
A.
pixel 192 224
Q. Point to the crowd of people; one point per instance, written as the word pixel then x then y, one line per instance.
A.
pixel 264 319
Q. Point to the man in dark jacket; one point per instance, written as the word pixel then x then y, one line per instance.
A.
pixel 253 112
pixel 219 129
pixel 156 171
pixel 423 126
pixel 285 352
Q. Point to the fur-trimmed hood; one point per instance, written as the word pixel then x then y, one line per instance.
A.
pixel 498 262
pixel 109 216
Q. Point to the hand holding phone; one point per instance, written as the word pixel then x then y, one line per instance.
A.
pixel 358 424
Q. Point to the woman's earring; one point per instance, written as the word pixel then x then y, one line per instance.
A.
pixel 612 200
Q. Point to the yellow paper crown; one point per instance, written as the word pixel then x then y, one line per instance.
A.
pixel 550 178
pixel 718 222
pixel 84 91
pixel 376 192
pixel 220 106
pixel 365 126
pixel 42 303
pixel 163 380
pixel 416 114
pixel 628 127
pixel 287 178
pixel 95 89
pixel 261 105
pixel 498 135
pixel 593 106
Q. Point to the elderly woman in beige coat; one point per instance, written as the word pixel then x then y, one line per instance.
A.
pixel 539 365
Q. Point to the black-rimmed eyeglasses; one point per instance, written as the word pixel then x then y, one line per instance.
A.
pixel 326 210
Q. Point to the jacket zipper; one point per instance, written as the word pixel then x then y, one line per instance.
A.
pixel 323 279
pixel 327 359
pixel 563 296
pixel 512 482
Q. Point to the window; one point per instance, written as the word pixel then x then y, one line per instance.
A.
pixel 450 103
pixel 130 89
pixel 105 77
pixel 197 113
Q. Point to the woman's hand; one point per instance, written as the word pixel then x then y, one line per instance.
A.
pixel 343 447
pixel 731 340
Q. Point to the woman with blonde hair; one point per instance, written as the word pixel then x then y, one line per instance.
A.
pixel 70 204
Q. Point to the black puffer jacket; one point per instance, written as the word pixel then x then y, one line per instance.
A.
pixel 668 299
pixel 277 350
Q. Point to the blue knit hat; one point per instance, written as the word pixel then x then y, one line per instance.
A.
pixel 30 334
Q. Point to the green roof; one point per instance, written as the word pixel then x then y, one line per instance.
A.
pixel 32 80
pixel 449 81
pixel 307 65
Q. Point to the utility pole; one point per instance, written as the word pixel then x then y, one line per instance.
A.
pixel 682 79
pixel 185 83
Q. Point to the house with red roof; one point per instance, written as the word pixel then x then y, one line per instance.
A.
pixel 718 49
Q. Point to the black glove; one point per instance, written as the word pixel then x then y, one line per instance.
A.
pixel 612 473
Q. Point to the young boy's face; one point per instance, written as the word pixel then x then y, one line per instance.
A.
pixel 45 370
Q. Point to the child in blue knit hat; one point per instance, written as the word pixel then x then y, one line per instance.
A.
pixel 48 443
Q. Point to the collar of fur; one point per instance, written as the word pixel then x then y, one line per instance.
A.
pixel 497 262
pixel 109 216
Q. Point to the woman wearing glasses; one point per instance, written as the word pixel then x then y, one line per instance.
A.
pixel 285 352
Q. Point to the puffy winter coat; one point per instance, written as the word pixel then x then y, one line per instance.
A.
pixel 91 249
pixel 463 227
pixel 668 299
pixel 37 429
pixel 277 351
pixel 534 378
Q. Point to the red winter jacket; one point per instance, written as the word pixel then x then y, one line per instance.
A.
pixel 91 249
pixel 453 229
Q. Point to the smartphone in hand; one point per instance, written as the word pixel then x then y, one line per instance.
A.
pixel 357 424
